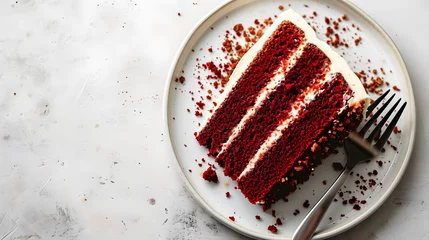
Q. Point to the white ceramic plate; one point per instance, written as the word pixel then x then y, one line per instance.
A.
pixel 181 124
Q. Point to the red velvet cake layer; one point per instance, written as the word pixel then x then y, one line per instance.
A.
pixel 308 70
pixel 278 160
pixel 281 45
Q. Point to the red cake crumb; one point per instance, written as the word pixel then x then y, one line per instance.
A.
pixel 198 114
pixel 180 79
pixel 306 204
pixel 279 221
pixel 238 29
pixel 210 175
pixel 305 5
pixel 337 166
pixel 227 194
pixel 344 17
pixel 232 218
pixel 363 202
pixel 358 40
pixel 315 13
pixel 327 21
pixel 273 212
pixel 179 14
pixel 324 182
pixel 380 163
pixel 272 228
pixel 396 88
pixel 190 170
pixel 296 212
pixel 200 104
pixel 281 7
pixel 258 217
pixel 210 49
pixel 329 31
pixel 356 207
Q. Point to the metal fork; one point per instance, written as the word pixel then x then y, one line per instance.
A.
pixel 358 149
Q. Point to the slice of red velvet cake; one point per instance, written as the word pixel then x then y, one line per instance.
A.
pixel 289 102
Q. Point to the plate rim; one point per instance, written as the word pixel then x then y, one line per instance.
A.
pixel 322 235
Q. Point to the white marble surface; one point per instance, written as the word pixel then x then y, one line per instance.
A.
pixel 82 150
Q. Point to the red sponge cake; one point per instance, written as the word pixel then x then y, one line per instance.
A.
pixel 289 102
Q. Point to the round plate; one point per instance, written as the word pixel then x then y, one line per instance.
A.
pixel 181 124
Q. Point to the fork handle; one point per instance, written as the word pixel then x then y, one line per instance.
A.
pixel 309 225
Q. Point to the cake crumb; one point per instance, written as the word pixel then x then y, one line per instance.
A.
pixel 279 222
pixel 281 7
pixel 337 166
pixel 238 28
pixel 327 21
pixel 210 175
pixel 306 204
pixel 396 130
pixel 296 212
pixel 258 217
pixel 227 194
pixel 232 218
pixel 396 88
pixel 358 40
pixel 272 228
pixel 179 14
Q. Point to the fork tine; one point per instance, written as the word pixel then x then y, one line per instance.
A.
pixel 375 103
pixel 382 122
pixel 389 129
pixel 376 115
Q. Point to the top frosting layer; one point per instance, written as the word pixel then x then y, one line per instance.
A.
pixel 338 64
